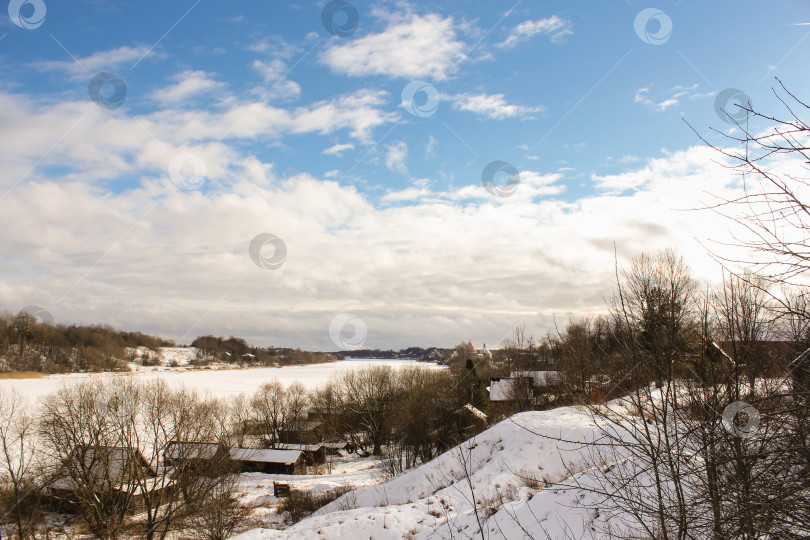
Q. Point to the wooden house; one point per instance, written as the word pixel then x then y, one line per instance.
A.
pixel 269 461
pixel 119 475
pixel 201 457
pixel 315 454
pixel 302 432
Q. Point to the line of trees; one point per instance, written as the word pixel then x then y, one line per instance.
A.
pixel 27 344
pixel 413 412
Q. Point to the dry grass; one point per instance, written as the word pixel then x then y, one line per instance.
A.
pixel 21 375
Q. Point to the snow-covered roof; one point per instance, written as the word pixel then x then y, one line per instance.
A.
pixel 475 412
pixel 303 447
pixel 191 450
pixel 501 389
pixel 263 455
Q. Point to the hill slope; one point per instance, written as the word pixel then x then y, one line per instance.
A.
pixel 514 469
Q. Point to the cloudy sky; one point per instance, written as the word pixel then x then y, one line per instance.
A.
pixel 368 173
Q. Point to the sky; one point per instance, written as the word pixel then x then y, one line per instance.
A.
pixel 367 174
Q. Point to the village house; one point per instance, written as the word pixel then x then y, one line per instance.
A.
pixel 269 461
pixel 315 454
pixel 522 390
pixel 200 457
pixel 119 474
pixel 302 432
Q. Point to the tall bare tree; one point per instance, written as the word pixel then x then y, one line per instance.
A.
pixel 18 463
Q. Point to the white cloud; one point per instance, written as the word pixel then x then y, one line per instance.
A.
pixel 492 106
pixel 439 264
pixel 412 46
pixel 189 84
pixel 669 99
pixel 90 144
pixel 275 74
pixel 395 157
pixel 554 27
pixel 338 149
pixel 436 268
pixel 104 60
pixel 430 147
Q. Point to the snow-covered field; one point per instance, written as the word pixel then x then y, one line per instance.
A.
pixel 216 382
pixel 515 474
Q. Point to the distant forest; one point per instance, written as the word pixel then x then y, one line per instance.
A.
pixel 28 344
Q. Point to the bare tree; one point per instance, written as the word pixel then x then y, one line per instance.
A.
pixel 216 515
pixel 367 396
pixel 17 463
pixel 118 445
pixel 270 407
pixel 772 209
pixel 654 309
pixel 745 322
pixel 87 455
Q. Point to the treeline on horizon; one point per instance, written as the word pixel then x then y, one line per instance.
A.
pixel 236 350
pixel 29 344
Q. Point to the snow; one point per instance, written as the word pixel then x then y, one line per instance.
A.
pixel 181 356
pixel 515 469
pixel 255 490
pixel 215 382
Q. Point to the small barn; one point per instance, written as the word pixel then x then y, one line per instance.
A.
pixel 302 432
pixel 205 458
pixel 315 454
pixel 341 448
pixel 269 461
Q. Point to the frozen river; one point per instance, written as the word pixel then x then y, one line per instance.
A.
pixel 221 382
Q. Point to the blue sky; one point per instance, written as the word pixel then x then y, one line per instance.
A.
pixel 302 134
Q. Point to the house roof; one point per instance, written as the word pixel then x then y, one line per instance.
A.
pixel 100 464
pixel 262 455
pixel 501 389
pixel 338 445
pixel 191 450
pixel 304 447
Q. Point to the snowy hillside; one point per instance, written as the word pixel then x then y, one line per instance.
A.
pixel 515 468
